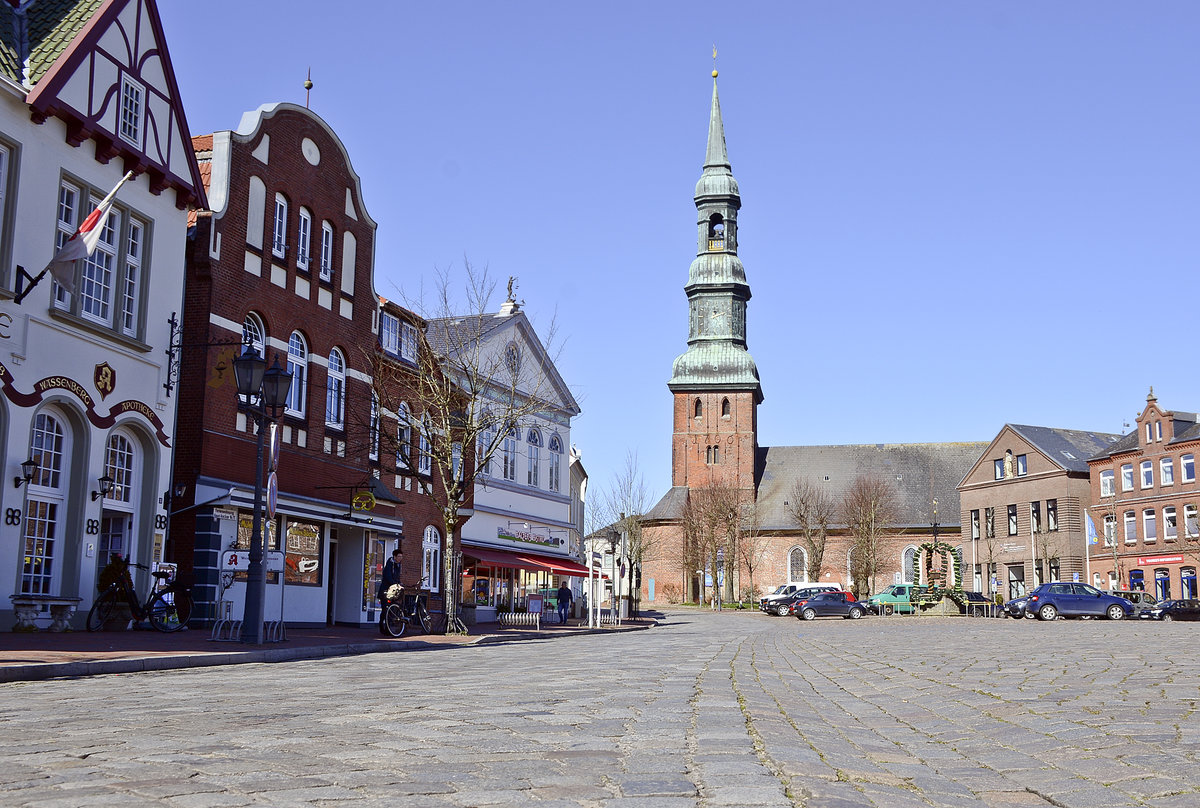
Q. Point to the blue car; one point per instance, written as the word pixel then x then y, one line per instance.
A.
pixel 1050 601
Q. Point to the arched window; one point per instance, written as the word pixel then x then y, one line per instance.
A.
pixel 910 559
pixel 698 409
pixel 716 232
pixel 335 392
pixel 403 439
pixel 797 565
pixel 297 365
pixel 253 333
pixel 725 409
pixel 509 454
pixel 279 237
pixel 431 559
pixel 555 463
pixel 122 462
pixel 534 439
pixel 44 496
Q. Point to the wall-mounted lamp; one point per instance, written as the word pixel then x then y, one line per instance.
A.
pixel 106 487
pixel 524 525
pixel 28 469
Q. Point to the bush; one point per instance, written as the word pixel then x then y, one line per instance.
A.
pixel 670 593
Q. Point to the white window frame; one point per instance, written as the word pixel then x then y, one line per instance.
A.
pixel 1022 465
pixel 1191 520
pixel 998 469
pixel 424 456
pixel 335 391
pixel 1166 471
pixel 303 239
pixel 1147 474
pixel 131 285
pixel 1187 463
pixel 1149 526
pixel 373 448
pixel 67 220
pixel 98 277
pixel 297 365
pixel 408 342
pixel 1158 431
pixel 404 438
pixel 534 440
pixel 5 166
pixel 389 333
pixel 509 455
pixel 279 227
pixel 131 127
pixel 1127 477
pixel 326 251
pixel 1170 523
pixel 1110 529
pixel 1149 433
pixel 554 480
pixel 431 559
pixel 1130 519
pixel 1107 483
pixel 45 502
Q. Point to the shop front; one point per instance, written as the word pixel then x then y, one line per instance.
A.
pixel 496 580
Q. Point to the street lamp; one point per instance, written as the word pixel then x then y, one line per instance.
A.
pixel 262 394
pixel 614 539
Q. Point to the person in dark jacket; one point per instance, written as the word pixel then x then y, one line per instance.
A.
pixel 391 575
pixel 565 598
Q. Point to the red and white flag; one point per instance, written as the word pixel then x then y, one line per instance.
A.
pixel 83 243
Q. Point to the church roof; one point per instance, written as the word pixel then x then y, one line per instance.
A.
pixel 921 472
pixel 670 507
pixel 715 364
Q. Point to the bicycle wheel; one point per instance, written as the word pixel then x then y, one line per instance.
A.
pixel 101 609
pixel 171 609
pixel 393 620
pixel 424 618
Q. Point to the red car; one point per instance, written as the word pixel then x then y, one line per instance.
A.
pixel 830 604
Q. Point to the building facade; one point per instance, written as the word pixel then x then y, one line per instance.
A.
pixel 282 260
pixel 1144 502
pixel 88 412
pixel 1023 509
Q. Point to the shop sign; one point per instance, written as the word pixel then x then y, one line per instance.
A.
pixel 224 513
pixel 239 560
pixel 1144 561
pixel 526 537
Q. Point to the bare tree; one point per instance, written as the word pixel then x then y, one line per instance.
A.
pixel 455 405
pixel 813 509
pixel 711 523
pixel 990 548
pixel 868 510
pixel 752 544
pixel 1110 507
pixel 620 507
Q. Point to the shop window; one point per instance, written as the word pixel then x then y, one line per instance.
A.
pixel 1137 581
pixel 1187 582
pixel 1162 584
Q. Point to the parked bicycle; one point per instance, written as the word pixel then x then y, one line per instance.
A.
pixel 402 609
pixel 168 605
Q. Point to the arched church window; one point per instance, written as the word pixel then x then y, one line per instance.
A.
pixel 725 408
pixel 910 557
pixel 698 409
pixel 716 232
pixel 797 565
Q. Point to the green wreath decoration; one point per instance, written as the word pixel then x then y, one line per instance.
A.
pixel 935 591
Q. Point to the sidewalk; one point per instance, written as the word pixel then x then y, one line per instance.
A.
pixel 44 655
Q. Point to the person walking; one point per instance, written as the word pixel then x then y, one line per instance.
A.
pixel 391 576
pixel 565 598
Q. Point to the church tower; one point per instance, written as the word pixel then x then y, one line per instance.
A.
pixel 715 381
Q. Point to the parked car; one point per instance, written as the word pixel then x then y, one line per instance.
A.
pixel 1015 608
pixel 788 603
pixel 980 605
pixel 1143 602
pixel 896 598
pixel 786 594
pixel 831 604
pixel 1049 601
pixel 1181 609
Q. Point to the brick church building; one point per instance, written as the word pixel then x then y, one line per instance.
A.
pixel 718 467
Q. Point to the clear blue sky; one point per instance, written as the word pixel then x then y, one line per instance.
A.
pixel 955 214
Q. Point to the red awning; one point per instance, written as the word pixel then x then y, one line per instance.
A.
pixel 526 561
pixel 558 566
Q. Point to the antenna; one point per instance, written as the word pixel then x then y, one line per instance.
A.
pixel 308 85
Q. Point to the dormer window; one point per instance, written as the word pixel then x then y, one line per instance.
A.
pixel 132 111
pixel 716 232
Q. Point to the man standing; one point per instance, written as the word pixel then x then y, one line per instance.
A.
pixel 565 598
pixel 391 575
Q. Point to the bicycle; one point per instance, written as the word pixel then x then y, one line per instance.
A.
pixel 401 610
pixel 168 606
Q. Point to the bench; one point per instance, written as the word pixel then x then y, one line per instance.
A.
pixel 29 607
pixel 520 619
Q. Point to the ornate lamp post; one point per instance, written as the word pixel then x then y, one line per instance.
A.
pixel 262 394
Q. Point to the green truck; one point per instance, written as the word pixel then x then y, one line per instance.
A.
pixel 896 598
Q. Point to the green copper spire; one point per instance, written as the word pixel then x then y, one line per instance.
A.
pixel 716 358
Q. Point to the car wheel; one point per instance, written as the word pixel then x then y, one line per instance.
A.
pixel 1115 612
pixel 781 610
pixel 976 613
pixel 855 614
pixel 809 614
pixel 1166 618
pixel 1047 612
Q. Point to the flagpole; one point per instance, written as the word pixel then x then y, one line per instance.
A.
pixel 21 295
